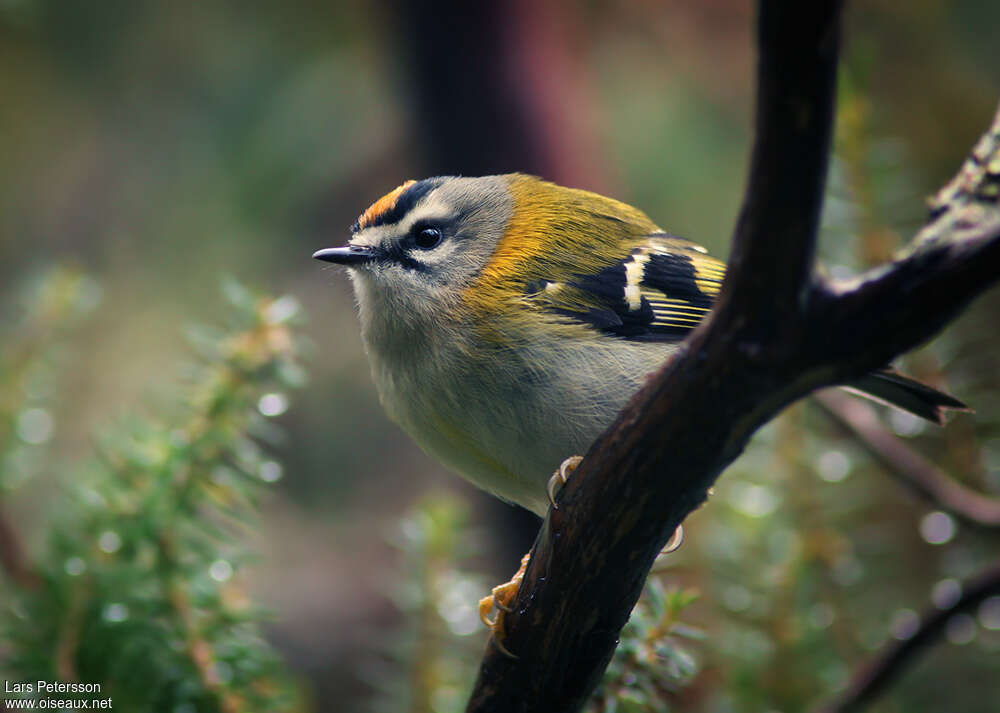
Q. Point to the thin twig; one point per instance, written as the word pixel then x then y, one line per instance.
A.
pixel 68 640
pixel 911 468
pixel 198 647
pixel 13 558
pixel 875 676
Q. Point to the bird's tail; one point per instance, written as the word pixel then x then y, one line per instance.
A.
pixel 890 387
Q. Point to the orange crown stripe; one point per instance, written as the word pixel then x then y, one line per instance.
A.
pixel 382 205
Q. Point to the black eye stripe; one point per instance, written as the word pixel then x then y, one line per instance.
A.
pixel 407 250
pixel 396 254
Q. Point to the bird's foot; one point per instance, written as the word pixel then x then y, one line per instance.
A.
pixel 559 478
pixel 501 598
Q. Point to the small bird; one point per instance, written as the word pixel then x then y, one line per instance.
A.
pixel 508 320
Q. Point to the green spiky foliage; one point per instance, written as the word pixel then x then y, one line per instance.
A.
pixel 429 666
pixel 138 587
pixel 653 661
pixel 35 323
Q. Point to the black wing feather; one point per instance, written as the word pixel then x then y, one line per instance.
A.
pixel 659 292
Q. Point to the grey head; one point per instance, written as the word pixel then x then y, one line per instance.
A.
pixel 413 250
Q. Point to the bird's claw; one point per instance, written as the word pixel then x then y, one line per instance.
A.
pixel 503 595
pixel 500 599
pixel 675 541
pixel 559 478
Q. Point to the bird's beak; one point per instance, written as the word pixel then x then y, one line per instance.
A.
pixel 347 255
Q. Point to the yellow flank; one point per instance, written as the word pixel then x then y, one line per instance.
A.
pixel 383 204
pixel 473 451
pixel 555 233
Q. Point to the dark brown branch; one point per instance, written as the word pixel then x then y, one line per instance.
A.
pixel 895 308
pixel 951 260
pixel 655 464
pixel 912 469
pixel 795 105
pixel 778 333
pixel 873 678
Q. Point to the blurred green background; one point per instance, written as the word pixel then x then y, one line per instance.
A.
pixel 159 146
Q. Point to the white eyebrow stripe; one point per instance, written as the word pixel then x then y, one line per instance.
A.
pixel 430 207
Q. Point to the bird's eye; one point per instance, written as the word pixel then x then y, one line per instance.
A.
pixel 427 238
